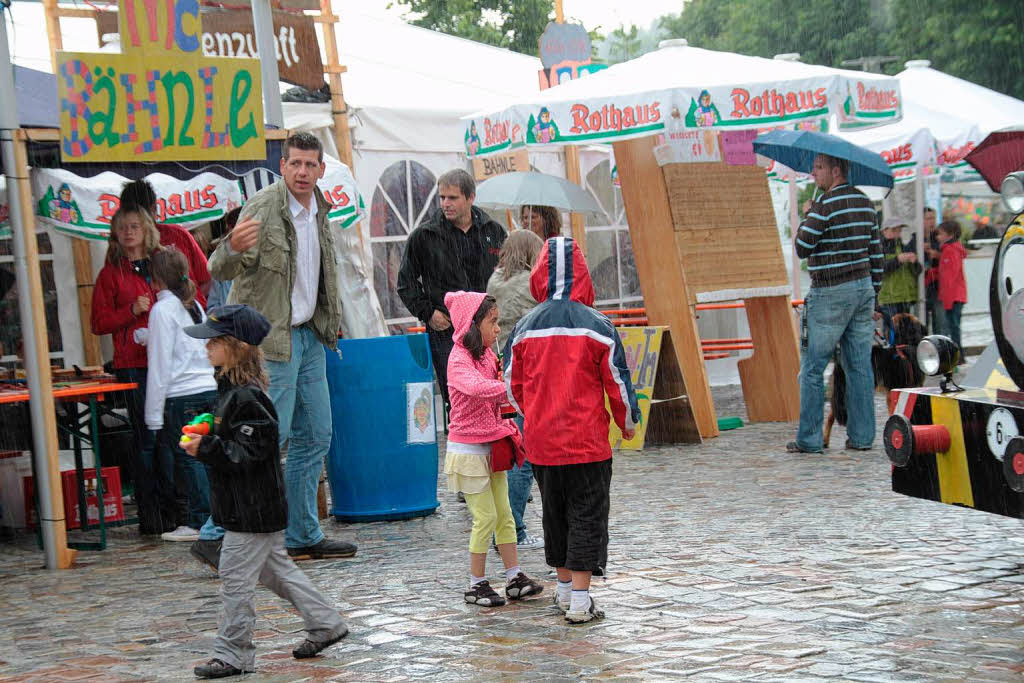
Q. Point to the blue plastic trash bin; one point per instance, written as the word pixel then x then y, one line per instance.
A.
pixel 383 459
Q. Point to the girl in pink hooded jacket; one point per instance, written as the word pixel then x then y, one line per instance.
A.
pixel 476 393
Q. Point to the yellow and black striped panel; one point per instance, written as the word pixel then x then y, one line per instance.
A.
pixel 968 474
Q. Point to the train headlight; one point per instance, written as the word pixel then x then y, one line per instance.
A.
pixel 1012 191
pixel 937 355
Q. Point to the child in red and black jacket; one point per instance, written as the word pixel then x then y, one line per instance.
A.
pixel 243 460
pixel 560 361
pixel 952 283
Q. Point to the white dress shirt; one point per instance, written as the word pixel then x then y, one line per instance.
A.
pixel 307 259
pixel 178 365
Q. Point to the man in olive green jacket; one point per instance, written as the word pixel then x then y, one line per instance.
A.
pixel 280 257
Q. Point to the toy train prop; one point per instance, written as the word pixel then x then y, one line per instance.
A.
pixel 964 446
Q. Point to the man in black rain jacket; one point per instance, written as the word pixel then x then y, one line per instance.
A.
pixel 455 249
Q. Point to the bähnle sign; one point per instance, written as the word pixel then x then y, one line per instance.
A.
pixel 229 33
pixel 160 99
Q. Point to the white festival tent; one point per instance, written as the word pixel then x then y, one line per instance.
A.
pixel 686 87
pixel 944 118
pixel 407 89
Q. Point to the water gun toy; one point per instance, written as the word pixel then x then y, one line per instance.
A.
pixel 199 426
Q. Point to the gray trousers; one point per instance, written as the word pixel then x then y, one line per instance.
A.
pixel 246 559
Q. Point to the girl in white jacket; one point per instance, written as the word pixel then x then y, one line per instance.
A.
pixel 179 386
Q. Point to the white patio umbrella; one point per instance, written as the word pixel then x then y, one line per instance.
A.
pixel 512 190
pixel 678 87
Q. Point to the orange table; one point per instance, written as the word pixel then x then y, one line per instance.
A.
pixel 82 426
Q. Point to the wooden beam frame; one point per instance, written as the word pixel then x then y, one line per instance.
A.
pixel 65 556
pixel 662 278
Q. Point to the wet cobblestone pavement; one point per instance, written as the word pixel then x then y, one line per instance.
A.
pixel 728 561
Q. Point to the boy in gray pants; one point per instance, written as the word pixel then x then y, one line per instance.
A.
pixel 247 488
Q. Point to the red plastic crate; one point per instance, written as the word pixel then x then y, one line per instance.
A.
pixel 113 506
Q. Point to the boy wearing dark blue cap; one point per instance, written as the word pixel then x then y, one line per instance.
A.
pixel 244 464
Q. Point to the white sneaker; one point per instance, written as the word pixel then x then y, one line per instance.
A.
pixel 182 533
pixel 530 543
pixel 583 616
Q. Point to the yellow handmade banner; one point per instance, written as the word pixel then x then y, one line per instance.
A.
pixel 643 347
pixel 159 29
pixel 162 99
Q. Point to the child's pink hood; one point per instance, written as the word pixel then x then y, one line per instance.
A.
pixel 463 306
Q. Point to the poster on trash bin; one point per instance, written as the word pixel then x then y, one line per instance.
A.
pixel 419 412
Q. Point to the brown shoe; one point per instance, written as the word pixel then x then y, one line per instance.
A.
pixel 309 648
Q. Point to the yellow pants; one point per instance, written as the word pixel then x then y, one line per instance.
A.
pixel 491 515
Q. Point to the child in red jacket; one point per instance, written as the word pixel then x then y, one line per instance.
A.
pixel 562 357
pixel 952 284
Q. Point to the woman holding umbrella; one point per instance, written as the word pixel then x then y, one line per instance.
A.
pixel 543 221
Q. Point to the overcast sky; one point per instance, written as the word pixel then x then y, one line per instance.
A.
pixel 29 47
pixel 608 14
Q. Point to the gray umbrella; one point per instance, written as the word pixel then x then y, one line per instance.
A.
pixel 512 190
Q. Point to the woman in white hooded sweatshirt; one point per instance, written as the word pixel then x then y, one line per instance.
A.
pixel 180 385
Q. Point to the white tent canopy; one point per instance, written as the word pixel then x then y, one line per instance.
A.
pixel 407 87
pixel 688 87
pixel 956 97
pixel 944 118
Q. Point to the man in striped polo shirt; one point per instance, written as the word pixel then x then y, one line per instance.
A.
pixel 840 240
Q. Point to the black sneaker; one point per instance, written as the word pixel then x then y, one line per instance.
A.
pixel 309 648
pixel 851 447
pixel 207 552
pixel 522 586
pixel 482 594
pixel 216 668
pixel 583 616
pixel 323 550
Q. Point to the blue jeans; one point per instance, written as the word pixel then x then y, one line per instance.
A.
pixel 298 388
pixel 520 480
pixel 953 324
pixel 153 487
pixel 936 314
pixel 178 412
pixel 299 391
pixel 838 315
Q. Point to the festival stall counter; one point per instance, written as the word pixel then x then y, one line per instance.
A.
pixel 681 121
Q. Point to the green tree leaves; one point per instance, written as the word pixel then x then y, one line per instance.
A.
pixel 513 24
pixel 982 42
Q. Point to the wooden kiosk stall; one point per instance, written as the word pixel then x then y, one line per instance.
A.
pixel 700 219
pixel 120 108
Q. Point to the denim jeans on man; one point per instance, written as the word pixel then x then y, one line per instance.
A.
pixel 178 412
pixel 301 398
pixel 842 315
pixel 299 391
pixel 520 481
pixel 156 514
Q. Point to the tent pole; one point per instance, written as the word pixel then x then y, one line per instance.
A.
pixel 794 226
pixel 572 166
pixel 339 110
pixel 919 229
pixel 79 248
pixel 263 27
pixel 33 325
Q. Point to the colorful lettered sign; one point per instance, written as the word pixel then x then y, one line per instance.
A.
pixel 162 99
pixel 643 348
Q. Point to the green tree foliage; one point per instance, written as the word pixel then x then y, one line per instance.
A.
pixel 980 41
pixel 513 24
pixel 625 44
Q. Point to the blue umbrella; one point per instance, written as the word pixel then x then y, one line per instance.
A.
pixel 797 149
